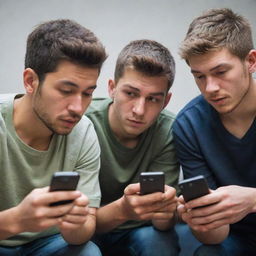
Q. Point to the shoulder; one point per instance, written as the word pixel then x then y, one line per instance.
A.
pixel 6 97
pixel 97 105
pixel 196 110
pixel 165 119
pixel 197 117
pixel 162 128
pixel 84 130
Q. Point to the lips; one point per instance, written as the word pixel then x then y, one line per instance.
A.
pixel 135 123
pixel 69 122
pixel 219 100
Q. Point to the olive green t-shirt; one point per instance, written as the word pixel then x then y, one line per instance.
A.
pixel 121 166
pixel 23 168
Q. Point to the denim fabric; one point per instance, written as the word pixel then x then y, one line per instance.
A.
pixel 143 241
pixel 52 245
pixel 234 245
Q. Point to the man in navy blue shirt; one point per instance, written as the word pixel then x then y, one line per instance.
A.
pixel 215 133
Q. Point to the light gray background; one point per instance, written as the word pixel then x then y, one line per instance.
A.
pixel 115 22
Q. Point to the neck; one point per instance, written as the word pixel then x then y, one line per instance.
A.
pixel 121 136
pixel 240 120
pixel 28 127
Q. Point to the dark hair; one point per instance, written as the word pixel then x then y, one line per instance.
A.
pixel 216 29
pixel 63 39
pixel 148 57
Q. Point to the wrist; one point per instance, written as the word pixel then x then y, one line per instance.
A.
pixel 121 213
pixel 253 200
pixel 9 224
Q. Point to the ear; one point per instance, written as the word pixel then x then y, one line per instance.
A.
pixel 111 88
pixel 252 61
pixel 167 99
pixel 30 80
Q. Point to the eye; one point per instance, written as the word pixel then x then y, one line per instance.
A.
pixel 65 91
pixel 153 99
pixel 219 73
pixel 130 94
pixel 86 94
pixel 199 77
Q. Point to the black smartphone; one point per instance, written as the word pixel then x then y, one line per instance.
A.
pixel 63 181
pixel 194 187
pixel 151 182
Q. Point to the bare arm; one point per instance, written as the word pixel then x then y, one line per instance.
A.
pixel 224 206
pixel 157 207
pixel 78 227
pixel 34 214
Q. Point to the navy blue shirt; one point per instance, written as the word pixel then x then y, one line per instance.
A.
pixel 205 147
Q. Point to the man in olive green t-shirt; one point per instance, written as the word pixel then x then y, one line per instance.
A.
pixel 44 131
pixel 135 136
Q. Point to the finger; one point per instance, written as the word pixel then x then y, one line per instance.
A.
pixel 82 201
pixel 170 192
pixel 75 219
pixel 64 225
pixel 46 223
pixel 209 199
pixel 207 219
pixel 79 210
pixel 181 208
pixel 57 196
pixel 58 210
pixel 132 189
pixel 181 199
pixel 210 226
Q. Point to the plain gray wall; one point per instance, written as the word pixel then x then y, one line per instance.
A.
pixel 115 22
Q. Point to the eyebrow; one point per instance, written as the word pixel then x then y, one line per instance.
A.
pixel 69 83
pixel 151 94
pixel 212 69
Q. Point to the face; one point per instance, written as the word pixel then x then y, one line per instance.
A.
pixel 137 101
pixel 63 97
pixel 222 78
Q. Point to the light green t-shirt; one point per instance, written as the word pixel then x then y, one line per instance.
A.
pixel 121 166
pixel 23 168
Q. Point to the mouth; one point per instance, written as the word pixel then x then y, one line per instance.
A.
pixel 69 122
pixel 218 101
pixel 136 122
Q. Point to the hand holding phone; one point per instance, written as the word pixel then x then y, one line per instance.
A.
pixel 64 181
pixel 151 182
pixel 194 187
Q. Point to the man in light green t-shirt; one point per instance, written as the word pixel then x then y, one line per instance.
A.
pixel 135 136
pixel 44 131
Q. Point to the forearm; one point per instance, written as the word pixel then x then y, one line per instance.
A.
pixel 214 236
pixel 8 223
pixel 110 216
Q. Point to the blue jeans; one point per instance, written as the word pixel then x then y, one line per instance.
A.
pixel 234 245
pixel 51 245
pixel 142 241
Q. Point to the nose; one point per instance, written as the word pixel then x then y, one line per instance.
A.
pixel 76 105
pixel 211 85
pixel 139 107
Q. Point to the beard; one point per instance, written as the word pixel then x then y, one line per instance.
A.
pixel 40 110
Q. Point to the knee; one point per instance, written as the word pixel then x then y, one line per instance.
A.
pixel 91 249
pixel 210 250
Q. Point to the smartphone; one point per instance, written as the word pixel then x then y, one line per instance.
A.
pixel 63 181
pixel 151 182
pixel 194 187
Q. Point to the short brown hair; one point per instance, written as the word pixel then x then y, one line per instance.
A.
pixel 63 39
pixel 148 57
pixel 216 29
